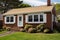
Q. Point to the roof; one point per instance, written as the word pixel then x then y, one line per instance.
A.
pixel 29 10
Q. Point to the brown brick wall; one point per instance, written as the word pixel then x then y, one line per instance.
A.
pixel 15 27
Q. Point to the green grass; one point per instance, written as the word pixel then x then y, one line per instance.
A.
pixel 2 32
pixel 29 36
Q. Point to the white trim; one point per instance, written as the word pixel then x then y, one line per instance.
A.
pixel 10 22
pixel 18 21
pixel 44 18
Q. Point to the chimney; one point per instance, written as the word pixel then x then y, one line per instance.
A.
pixel 48 2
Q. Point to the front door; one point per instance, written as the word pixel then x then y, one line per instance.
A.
pixel 20 20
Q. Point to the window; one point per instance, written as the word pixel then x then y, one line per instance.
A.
pixel 36 18
pixel 9 19
pixel 20 18
pixel 41 18
pixel 30 18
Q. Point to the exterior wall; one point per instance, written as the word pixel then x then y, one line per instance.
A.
pixel 16 28
pixel 12 26
pixel 49 20
pixel 48 24
pixel 55 17
pixel 1 24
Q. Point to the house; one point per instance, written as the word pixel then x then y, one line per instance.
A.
pixel 1 19
pixel 18 18
pixel 58 15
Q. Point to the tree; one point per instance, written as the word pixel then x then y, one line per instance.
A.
pixel 6 5
pixel 24 5
pixel 9 4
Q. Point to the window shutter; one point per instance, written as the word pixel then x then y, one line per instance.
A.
pixel 44 17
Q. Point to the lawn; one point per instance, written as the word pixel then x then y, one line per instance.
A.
pixel 31 36
pixel 2 32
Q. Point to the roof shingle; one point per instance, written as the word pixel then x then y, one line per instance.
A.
pixel 29 10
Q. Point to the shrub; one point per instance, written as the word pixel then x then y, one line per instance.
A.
pixel 46 30
pixel 8 28
pixel 32 30
pixel 55 31
pixel 58 18
pixel 58 29
pixel 22 30
pixel 38 31
pixel 1 30
pixel 27 27
pixel 4 27
pixel 40 27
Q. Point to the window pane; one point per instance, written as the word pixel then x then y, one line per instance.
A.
pixel 20 18
pixel 30 18
pixel 11 19
pixel 35 18
pixel 7 19
pixel 41 17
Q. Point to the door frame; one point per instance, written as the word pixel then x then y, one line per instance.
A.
pixel 18 21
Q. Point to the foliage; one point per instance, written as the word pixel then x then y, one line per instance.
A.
pixel 31 30
pixel 22 30
pixel 58 8
pixel 27 27
pixel 4 27
pixel 6 5
pixel 46 30
pixel 58 28
pixel 58 18
pixel 0 30
pixel 40 27
pixel 8 28
pixel 55 31
pixel 24 5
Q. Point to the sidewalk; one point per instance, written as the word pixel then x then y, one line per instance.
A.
pixel 6 33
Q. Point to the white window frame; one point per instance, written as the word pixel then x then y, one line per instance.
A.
pixel 10 22
pixel 44 18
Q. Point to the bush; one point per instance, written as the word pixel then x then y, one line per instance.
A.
pixel 58 29
pixel 8 28
pixel 40 27
pixel 27 27
pixel 32 30
pixel 22 30
pixel 1 30
pixel 38 31
pixel 55 31
pixel 58 18
pixel 46 31
pixel 4 27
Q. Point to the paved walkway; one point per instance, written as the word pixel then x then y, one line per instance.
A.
pixel 6 33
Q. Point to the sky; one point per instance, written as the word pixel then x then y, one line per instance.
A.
pixel 39 2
